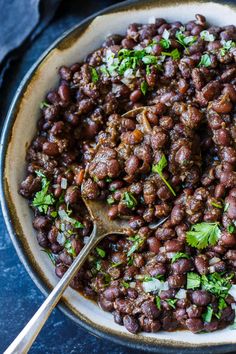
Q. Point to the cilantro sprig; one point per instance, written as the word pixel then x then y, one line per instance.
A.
pixel 203 234
pixel 158 168
pixel 43 199
pixel 185 41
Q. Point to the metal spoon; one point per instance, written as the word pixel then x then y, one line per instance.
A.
pixel 103 226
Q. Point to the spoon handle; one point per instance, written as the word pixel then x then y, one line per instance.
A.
pixel 26 337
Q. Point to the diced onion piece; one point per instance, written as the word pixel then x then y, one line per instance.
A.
pixel 162 249
pixel 214 260
pixel 55 186
pixel 63 183
pixel 129 73
pixel 132 284
pixel 212 269
pixel 152 285
pixel 138 47
pixel 165 286
pixel 181 294
pixel 115 88
pixel 232 291
pixel 61 239
pixel 170 254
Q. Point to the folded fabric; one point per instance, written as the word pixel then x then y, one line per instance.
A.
pixel 20 22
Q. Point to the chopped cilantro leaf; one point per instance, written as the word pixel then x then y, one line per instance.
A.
pixel 69 248
pixel 171 302
pixel 193 280
pixel 137 243
pixel 110 200
pixel 144 87
pixel 125 284
pixel 53 214
pixel 205 60
pixel 231 229
pixel 101 252
pixel 158 302
pixel 207 316
pixel 129 200
pixel 44 104
pixel 216 205
pixel 158 168
pixel 179 255
pixel 175 54
pixel 203 234
pixel 94 75
pixel 227 45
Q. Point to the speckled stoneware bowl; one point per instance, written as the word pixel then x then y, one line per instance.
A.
pixel 19 129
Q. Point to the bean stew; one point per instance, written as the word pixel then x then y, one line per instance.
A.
pixel 147 123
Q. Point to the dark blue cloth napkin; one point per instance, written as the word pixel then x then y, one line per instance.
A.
pixel 20 22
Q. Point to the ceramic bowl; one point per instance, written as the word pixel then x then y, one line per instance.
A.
pixel 19 129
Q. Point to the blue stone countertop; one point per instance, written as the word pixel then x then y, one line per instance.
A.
pixel 19 296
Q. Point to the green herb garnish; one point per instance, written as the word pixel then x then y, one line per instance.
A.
pixel 207 316
pixel 227 45
pixel 75 223
pixel 203 234
pixel 171 302
pixel 101 252
pixel 53 214
pixel 185 41
pixel 205 60
pixel 179 255
pixel 94 75
pixel 129 200
pixel 110 200
pixel 43 199
pixel 137 243
pixel 193 280
pixel 44 104
pixel 217 284
pixel 69 248
pixel 165 41
pixel 144 87
pixel 158 302
pixel 175 54
pixel 158 168
pixel 125 284
pixel 219 206
pixel 231 229
pixel 206 36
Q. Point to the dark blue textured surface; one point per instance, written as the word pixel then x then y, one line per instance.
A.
pixel 19 297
